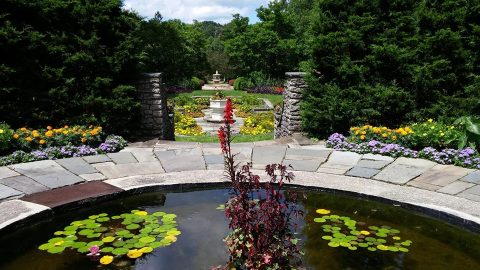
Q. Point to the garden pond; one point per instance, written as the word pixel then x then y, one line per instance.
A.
pixel 335 232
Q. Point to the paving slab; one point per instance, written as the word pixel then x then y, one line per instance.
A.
pixel 76 165
pixel 214 159
pixel 472 193
pixel 372 164
pixel 338 171
pixel 307 154
pixel 47 173
pixel 142 154
pixel 403 170
pixel 362 172
pixel 15 210
pixel 93 177
pixel 442 175
pixel 122 157
pixel 188 152
pixel 23 184
pixel 423 185
pixel 7 192
pixel 183 163
pixel 377 157
pixel 455 187
pixel 129 169
pixel 215 167
pixel 58 197
pixel 97 159
pixel 212 151
pixel 6 172
pixel 303 165
pixel 473 177
pixel 263 155
pixel 243 153
pixel 344 159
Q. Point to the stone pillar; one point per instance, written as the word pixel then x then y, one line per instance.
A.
pixel 155 121
pixel 287 119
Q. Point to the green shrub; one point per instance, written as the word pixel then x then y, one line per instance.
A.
pixel 242 83
pixel 183 100
pixel 196 83
pixel 6 135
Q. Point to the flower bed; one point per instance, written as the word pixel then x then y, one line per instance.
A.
pixel 466 157
pixel 112 144
pixel 32 139
pixel 185 125
pixel 259 123
pixel 267 89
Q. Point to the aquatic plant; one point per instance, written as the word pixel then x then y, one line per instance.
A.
pixel 342 231
pixel 260 216
pixel 128 235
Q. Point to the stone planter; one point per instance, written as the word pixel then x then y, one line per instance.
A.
pixel 218 109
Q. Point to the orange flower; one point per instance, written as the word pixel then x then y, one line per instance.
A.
pixel 83 139
pixel 49 133
pixel 42 142
pixel 28 139
pixel 362 137
pixel 49 127
pixel 16 136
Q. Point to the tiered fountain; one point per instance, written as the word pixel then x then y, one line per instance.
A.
pixel 217 83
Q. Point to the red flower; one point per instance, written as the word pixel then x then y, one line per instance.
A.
pixel 222 137
pixel 228 112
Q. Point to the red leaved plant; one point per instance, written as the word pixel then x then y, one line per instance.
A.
pixel 260 215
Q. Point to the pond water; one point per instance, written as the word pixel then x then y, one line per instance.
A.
pixel 435 244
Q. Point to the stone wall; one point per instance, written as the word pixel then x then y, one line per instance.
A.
pixel 288 120
pixel 155 121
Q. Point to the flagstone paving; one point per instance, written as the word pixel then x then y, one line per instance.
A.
pixel 153 164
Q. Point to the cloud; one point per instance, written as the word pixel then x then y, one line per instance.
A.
pixel 220 11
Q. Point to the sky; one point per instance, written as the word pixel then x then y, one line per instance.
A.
pixel 202 10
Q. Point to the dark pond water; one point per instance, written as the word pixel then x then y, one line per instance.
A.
pixel 436 245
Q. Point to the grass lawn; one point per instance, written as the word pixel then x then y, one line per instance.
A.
pixel 236 138
pixel 275 99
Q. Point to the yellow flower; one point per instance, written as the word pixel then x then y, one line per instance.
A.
pixel 362 137
pixel 49 133
pixel 16 136
pixel 23 129
pixel 442 134
pixel 65 126
pixel 35 134
pixel 134 253
pixel 65 132
pixel 365 232
pixel 384 135
pixel 83 139
pixel 430 120
pixel 323 211
pixel 28 139
pixel 1 131
pixel 404 133
pixel 106 260
pixel 42 141
pixel 394 138
pixel 141 213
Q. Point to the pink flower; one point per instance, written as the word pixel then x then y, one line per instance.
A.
pixel 267 258
pixel 94 251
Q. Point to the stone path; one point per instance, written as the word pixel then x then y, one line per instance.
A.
pixel 29 188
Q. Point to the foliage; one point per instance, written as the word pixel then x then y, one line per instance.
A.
pixel 6 136
pixel 470 129
pixel 342 231
pixel 262 236
pixel 111 144
pixel 258 123
pixel 386 63
pixel 119 237
pixel 173 47
pixel 186 125
pixel 242 83
pixel 466 157
pixel 267 89
pixel 197 83
pixel 69 61
pixel 236 139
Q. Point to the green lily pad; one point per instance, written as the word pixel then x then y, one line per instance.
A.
pixel 55 250
pixel 108 239
pixel 119 251
pixel 132 226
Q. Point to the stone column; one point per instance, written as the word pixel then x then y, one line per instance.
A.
pixel 155 121
pixel 288 120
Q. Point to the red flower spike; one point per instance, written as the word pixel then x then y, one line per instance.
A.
pixel 228 112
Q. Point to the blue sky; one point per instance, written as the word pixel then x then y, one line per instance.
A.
pixel 202 10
